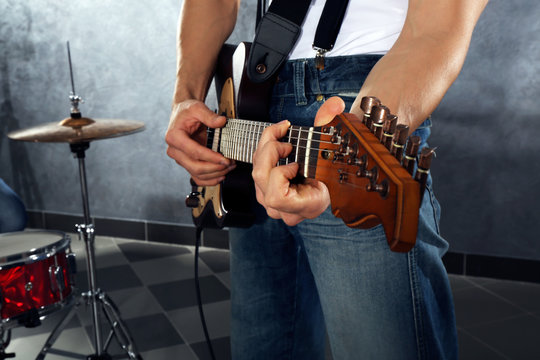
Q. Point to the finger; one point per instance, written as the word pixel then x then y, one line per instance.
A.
pixel 276 195
pixel 308 200
pixel 186 146
pixel 198 167
pixel 211 182
pixel 265 160
pixel 193 112
pixel 187 133
pixel 331 107
pixel 274 132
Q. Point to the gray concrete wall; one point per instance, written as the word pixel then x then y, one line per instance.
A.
pixel 123 54
pixel 124 65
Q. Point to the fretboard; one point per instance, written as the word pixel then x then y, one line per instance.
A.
pixel 239 139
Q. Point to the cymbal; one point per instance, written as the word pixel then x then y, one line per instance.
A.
pixel 73 130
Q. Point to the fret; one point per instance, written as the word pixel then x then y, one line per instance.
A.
pixel 289 140
pixel 298 144
pixel 301 151
pixel 248 136
pixel 308 151
pixel 259 133
pixel 241 141
pixel 236 138
pixel 225 143
pixel 295 133
pixel 222 141
pixel 230 142
pixel 251 142
pixel 246 141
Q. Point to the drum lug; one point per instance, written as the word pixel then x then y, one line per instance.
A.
pixel 56 275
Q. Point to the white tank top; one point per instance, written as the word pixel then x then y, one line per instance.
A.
pixel 369 27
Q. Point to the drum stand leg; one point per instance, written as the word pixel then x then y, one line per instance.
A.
pixel 94 296
pixel 5 339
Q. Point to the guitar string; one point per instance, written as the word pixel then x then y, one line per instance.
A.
pixel 323 166
pixel 249 132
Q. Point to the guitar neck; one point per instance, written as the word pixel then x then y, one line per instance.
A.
pixel 239 139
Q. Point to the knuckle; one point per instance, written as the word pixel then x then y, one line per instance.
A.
pixel 272 200
pixel 274 214
pixel 256 174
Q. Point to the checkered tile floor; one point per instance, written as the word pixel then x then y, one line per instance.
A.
pixel 152 285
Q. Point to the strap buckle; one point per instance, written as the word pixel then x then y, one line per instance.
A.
pixel 319 57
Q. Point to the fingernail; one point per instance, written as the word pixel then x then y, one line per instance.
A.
pixel 284 122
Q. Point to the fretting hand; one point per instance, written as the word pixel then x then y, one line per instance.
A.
pixel 282 200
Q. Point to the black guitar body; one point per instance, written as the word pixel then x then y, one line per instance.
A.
pixel 230 204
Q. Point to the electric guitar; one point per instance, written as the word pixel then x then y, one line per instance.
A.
pixel 360 161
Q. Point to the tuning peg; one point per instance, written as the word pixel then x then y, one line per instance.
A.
pixel 381 188
pixel 378 115
pixel 389 127
pixel 367 103
pixel 361 162
pixel 410 154
pixel 424 163
pixel 345 140
pixel 372 174
pixel 400 138
pixel 353 153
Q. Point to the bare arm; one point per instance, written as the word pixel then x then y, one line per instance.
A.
pixel 203 27
pixel 412 78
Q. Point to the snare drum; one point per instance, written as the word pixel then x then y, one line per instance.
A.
pixel 36 275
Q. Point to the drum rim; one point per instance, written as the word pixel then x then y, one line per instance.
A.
pixel 43 311
pixel 31 256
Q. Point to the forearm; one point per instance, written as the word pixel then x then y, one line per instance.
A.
pixel 412 78
pixel 203 27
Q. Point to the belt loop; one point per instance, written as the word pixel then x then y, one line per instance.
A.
pixel 299 82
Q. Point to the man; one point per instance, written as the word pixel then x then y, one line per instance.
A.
pixel 298 268
pixel 12 210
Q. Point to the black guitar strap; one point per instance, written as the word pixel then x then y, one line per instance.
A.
pixel 328 29
pixel 279 29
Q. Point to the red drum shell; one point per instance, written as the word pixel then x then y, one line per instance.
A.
pixel 40 278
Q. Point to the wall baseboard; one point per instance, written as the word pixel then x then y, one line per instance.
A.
pixel 131 229
pixel 455 263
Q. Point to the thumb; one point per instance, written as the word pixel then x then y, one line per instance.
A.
pixel 331 107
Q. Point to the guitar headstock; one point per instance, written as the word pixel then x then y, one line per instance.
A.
pixel 364 174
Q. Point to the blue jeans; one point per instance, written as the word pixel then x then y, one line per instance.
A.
pixel 12 211
pixel 288 283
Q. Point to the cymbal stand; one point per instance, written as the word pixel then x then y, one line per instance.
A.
pixel 95 296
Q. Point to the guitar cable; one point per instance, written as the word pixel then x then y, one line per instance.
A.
pixel 198 291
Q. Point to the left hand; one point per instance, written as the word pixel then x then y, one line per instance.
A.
pixel 282 200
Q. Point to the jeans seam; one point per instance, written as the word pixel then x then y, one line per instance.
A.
pixel 416 303
pixel 299 83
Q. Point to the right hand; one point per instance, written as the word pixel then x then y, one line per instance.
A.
pixel 186 138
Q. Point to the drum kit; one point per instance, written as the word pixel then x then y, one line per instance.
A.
pixel 37 267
